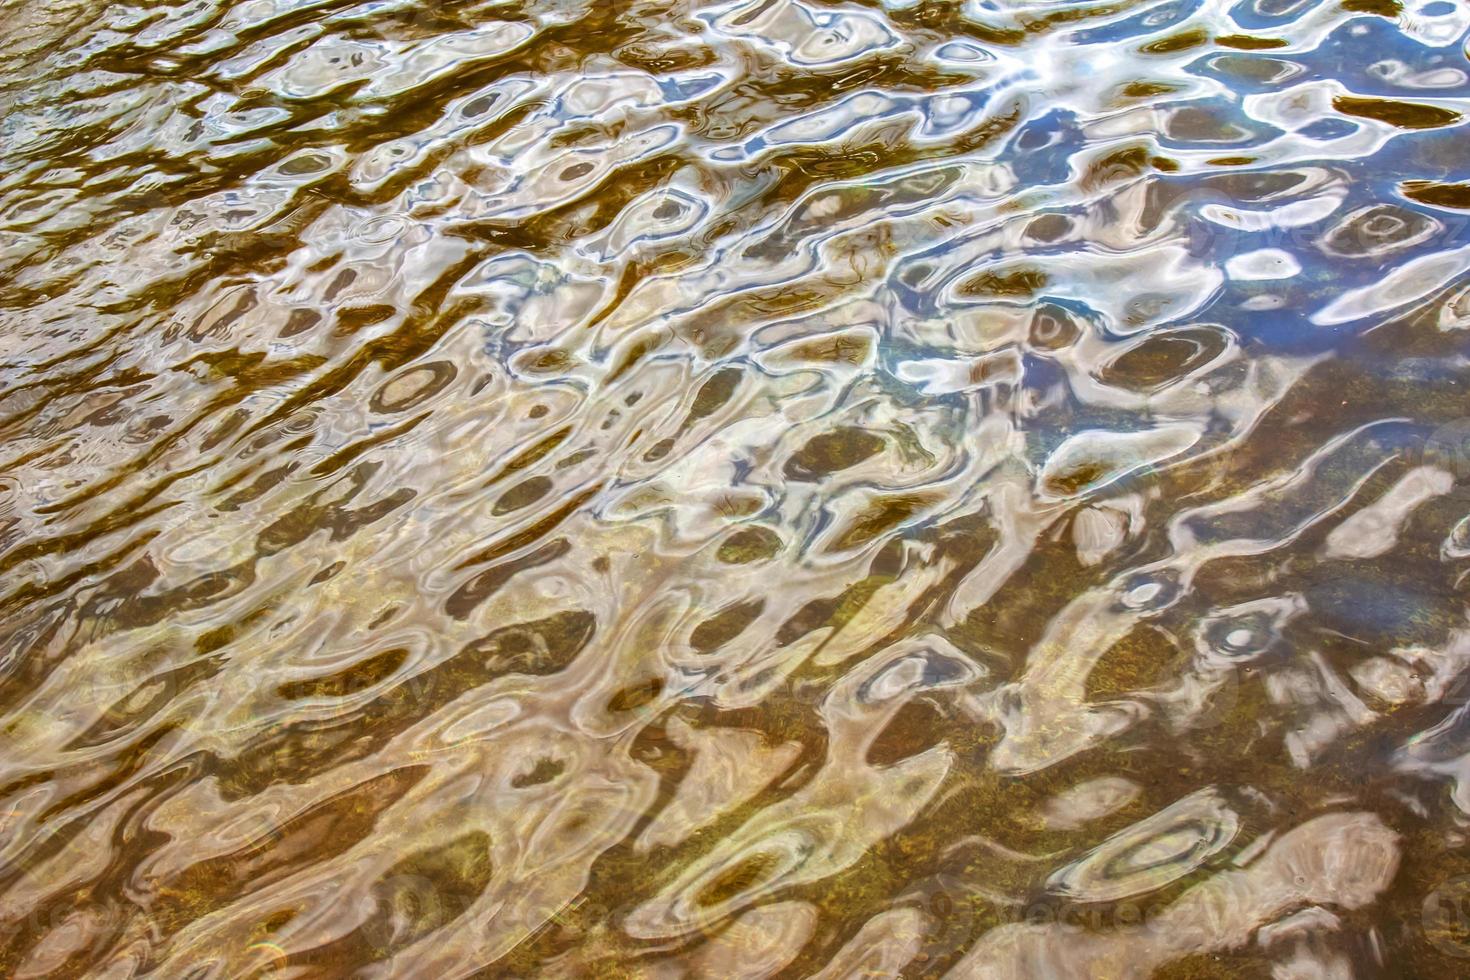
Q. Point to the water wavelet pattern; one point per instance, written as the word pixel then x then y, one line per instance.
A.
pixel 763 488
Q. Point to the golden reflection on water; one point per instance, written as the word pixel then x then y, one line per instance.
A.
pixel 648 488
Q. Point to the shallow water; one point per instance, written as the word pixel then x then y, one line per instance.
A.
pixel 762 488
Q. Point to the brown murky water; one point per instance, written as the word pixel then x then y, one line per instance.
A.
pixel 624 488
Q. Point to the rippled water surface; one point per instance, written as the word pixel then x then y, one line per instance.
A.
pixel 655 488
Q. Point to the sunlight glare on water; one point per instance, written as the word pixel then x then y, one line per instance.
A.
pixel 801 488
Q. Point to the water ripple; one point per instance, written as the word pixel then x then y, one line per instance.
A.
pixel 737 489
